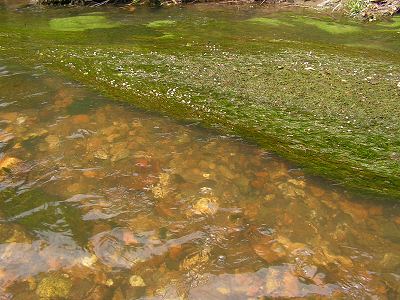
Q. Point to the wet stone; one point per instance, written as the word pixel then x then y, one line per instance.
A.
pixel 136 281
pixel 54 286
pixel 205 206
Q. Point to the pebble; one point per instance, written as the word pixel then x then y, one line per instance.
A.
pixel 136 281
pixel 89 261
pixel 9 162
pixel 53 141
pixel 206 206
pixel 101 154
pixel 109 282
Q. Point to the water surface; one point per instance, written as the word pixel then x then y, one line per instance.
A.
pixel 100 200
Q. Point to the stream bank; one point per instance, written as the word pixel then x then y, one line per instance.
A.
pixel 370 10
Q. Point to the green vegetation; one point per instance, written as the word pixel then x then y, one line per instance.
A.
pixel 82 23
pixel 160 23
pixel 329 26
pixel 269 21
pixel 355 7
pixel 326 26
pixel 316 119
pixel 393 23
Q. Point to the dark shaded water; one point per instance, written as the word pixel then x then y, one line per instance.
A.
pixel 99 200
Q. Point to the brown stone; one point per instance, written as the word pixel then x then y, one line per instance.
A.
pixel 257 184
pixel 262 174
pixel 317 191
pixel 79 119
pixel 90 174
pixel 357 211
pixel 129 238
pixel 175 251
pixel 375 210
pixel 268 250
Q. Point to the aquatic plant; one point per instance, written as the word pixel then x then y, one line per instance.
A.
pixel 393 23
pixel 268 21
pixel 330 26
pixel 82 23
pixel 160 23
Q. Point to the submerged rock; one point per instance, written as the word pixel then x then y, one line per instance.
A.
pixel 196 261
pixel 205 206
pixel 291 190
pixel 162 188
pixel 9 162
pixel 101 154
pixel 269 251
pixel 82 23
pixel 136 281
pixel 53 141
pixel 54 286
pixel 119 152
pixel 6 137
pixel 390 260
pixel 89 261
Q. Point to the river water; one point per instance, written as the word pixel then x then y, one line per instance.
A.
pixel 100 200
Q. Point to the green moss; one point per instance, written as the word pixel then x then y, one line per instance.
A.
pixel 82 23
pixel 393 23
pixel 161 23
pixel 315 120
pixel 167 36
pixel 268 21
pixel 328 26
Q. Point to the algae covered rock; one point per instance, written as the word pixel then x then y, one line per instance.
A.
pixel 329 26
pixel 268 21
pixel 53 287
pixel 8 164
pixel 82 23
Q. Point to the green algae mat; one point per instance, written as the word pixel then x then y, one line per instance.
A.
pixel 320 91
pixel 81 23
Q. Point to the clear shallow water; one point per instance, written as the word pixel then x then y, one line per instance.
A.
pixel 99 200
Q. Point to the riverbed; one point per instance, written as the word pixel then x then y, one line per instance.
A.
pixel 102 199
